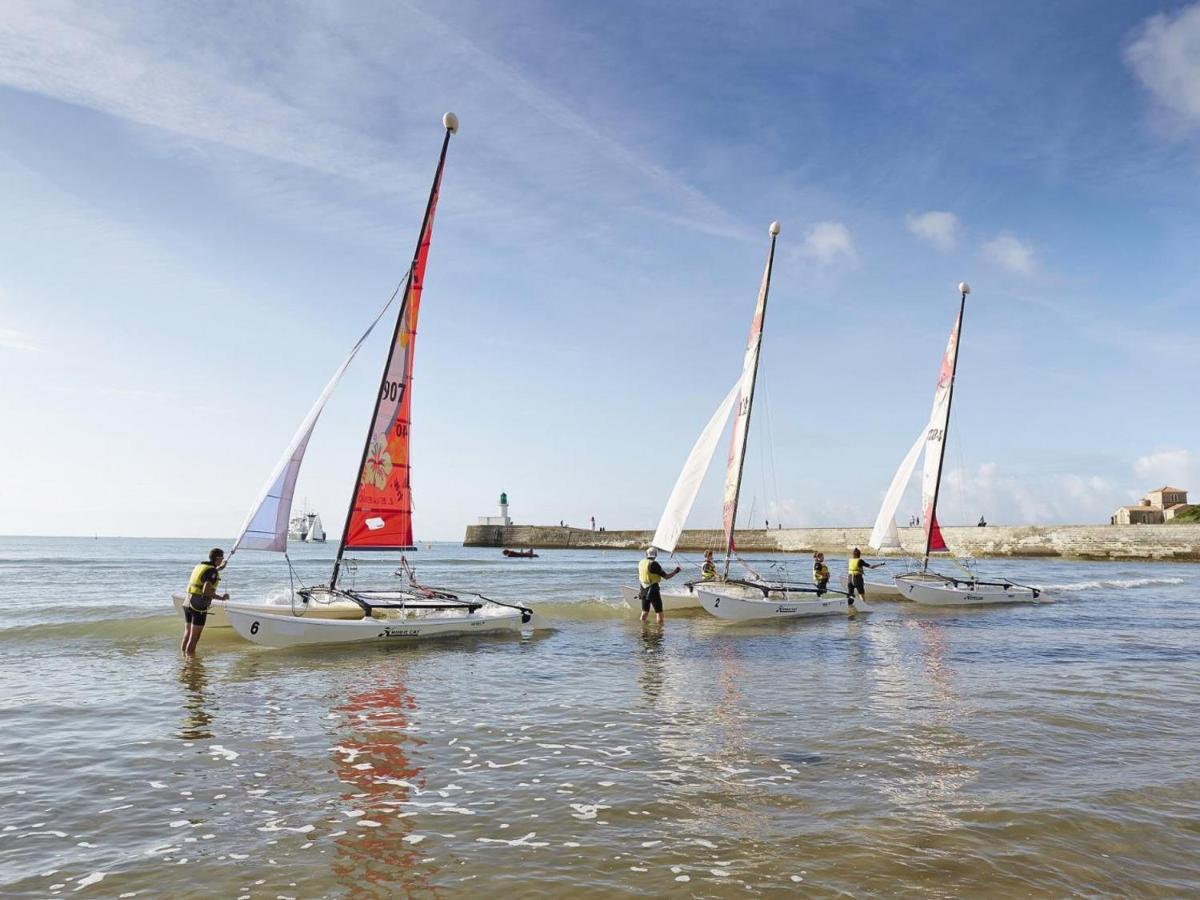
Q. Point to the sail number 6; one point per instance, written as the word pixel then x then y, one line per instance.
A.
pixel 254 628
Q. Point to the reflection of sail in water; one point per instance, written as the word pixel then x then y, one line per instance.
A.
pixel 372 758
pixel 928 715
pixel 199 708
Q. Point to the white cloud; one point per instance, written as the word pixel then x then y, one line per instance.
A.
pixel 826 242
pixel 1005 498
pixel 1165 56
pixel 1171 466
pixel 938 229
pixel 1010 252
pixel 11 339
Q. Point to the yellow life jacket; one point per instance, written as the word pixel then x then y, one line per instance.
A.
pixel 856 566
pixel 196 585
pixel 708 570
pixel 645 576
pixel 820 572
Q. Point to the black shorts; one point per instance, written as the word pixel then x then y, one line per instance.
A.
pixel 195 611
pixel 822 586
pixel 855 583
pixel 651 597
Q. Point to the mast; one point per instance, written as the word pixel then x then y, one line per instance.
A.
pixel 450 123
pixel 731 503
pixel 964 289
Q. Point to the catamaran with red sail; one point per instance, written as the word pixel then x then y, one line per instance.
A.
pixel 924 585
pixel 379 517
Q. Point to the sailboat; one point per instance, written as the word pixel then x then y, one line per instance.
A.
pixel 724 597
pixel 679 506
pixel 307 528
pixel 925 586
pixel 379 517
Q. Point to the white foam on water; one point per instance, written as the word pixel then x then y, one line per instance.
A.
pixel 87 880
pixel 1108 583
pixel 219 752
pixel 683 878
pixel 413 838
pixel 526 841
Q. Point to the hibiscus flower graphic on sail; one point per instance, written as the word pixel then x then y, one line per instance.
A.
pixel 378 467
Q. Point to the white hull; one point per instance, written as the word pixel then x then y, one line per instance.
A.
pixel 685 598
pixel 883 590
pixel 272 630
pixel 738 609
pixel 936 592
pixel 217 617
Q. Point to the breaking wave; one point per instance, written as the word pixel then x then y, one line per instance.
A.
pixel 1107 583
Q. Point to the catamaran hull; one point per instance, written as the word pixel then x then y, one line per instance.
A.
pixel 736 609
pixel 933 593
pixel 272 630
pixel 877 590
pixel 681 600
pixel 218 618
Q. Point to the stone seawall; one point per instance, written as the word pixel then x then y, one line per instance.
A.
pixel 1113 542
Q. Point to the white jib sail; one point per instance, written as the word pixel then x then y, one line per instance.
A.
pixel 679 505
pixel 884 535
pixel 266 527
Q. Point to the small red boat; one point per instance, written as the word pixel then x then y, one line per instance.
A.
pixel 525 554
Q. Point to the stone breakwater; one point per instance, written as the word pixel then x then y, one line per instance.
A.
pixel 1103 542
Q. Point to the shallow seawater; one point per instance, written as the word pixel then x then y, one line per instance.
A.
pixel 1036 751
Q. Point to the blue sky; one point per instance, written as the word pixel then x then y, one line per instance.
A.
pixel 204 205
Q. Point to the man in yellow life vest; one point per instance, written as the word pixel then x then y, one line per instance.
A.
pixel 201 591
pixel 650 573
pixel 854 582
pixel 708 568
pixel 820 573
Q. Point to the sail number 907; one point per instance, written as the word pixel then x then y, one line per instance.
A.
pixel 392 390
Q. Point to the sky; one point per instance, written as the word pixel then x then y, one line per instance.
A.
pixel 202 206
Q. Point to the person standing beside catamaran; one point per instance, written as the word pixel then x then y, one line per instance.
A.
pixel 708 568
pixel 201 590
pixel 854 581
pixel 820 573
pixel 650 573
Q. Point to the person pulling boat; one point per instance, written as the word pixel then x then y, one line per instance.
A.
pixel 854 580
pixel 201 590
pixel 650 574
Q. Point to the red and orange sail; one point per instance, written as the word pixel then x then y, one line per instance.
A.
pixel 381 508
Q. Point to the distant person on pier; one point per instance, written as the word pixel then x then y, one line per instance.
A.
pixel 650 573
pixel 708 568
pixel 982 523
pixel 820 573
pixel 201 591
pixel 854 582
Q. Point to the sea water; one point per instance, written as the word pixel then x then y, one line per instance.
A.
pixel 1039 750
